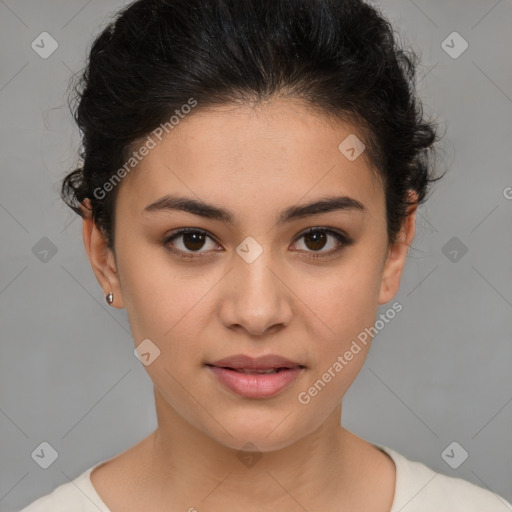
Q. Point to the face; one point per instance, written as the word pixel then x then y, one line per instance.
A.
pixel 255 275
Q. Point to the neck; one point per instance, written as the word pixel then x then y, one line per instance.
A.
pixel 200 472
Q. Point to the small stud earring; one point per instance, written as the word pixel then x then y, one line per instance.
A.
pixel 110 298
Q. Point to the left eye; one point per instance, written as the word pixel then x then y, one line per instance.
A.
pixel 317 239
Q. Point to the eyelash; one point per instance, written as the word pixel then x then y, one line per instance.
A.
pixel 344 240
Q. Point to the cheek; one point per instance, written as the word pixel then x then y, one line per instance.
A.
pixel 347 309
pixel 159 296
pixel 343 303
pixel 344 307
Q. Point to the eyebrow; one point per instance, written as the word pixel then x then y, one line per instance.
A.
pixel 209 211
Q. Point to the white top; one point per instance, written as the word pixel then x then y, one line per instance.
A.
pixel 418 489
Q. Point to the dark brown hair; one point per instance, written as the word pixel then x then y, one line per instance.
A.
pixel 341 57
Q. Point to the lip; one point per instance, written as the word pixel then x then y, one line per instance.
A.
pixel 255 363
pixel 231 372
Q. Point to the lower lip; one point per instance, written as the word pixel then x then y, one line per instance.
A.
pixel 256 385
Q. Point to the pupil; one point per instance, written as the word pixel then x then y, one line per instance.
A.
pixel 318 239
pixel 196 239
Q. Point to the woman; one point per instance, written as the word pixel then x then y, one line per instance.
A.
pixel 250 179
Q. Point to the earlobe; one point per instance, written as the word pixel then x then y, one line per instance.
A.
pixel 101 259
pixel 397 255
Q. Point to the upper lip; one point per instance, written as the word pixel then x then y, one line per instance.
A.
pixel 242 361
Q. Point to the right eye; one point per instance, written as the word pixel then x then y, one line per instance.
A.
pixel 192 240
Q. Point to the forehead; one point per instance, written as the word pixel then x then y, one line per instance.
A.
pixel 277 153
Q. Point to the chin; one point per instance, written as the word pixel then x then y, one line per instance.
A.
pixel 259 431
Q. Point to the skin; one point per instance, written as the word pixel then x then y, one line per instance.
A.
pixel 254 162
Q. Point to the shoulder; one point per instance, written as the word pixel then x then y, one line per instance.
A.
pixel 420 489
pixel 79 495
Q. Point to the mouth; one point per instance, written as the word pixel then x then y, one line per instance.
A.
pixel 269 362
pixel 249 371
pixel 262 377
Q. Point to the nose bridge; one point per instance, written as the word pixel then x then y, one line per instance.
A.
pixel 257 299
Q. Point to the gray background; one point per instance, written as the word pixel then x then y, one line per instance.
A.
pixel 438 373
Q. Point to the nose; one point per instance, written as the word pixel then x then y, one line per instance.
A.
pixel 255 297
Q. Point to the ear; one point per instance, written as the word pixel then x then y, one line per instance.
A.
pixel 100 256
pixel 397 254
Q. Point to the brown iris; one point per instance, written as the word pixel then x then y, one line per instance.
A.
pixel 194 240
pixel 318 239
